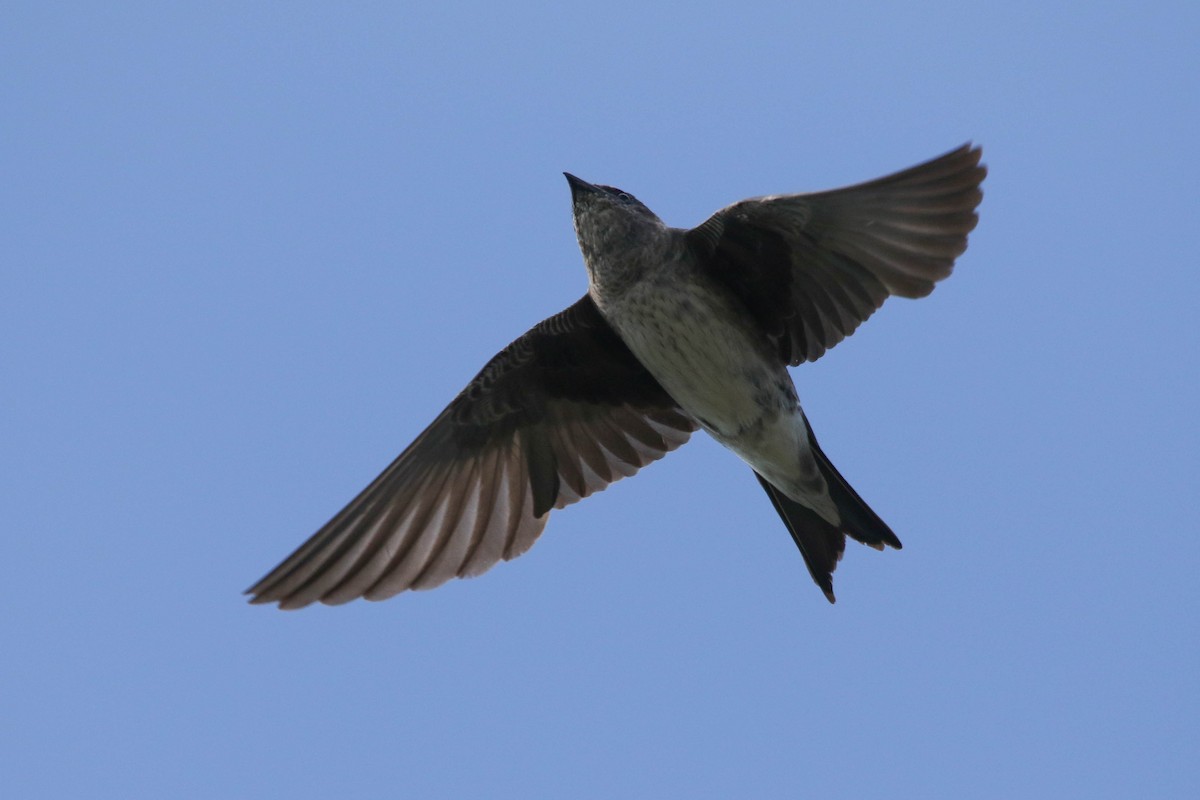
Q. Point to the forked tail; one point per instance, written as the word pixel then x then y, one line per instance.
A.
pixel 822 543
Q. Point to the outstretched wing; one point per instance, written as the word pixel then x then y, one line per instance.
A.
pixel 562 412
pixel 812 267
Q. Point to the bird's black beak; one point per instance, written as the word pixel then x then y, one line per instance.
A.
pixel 579 186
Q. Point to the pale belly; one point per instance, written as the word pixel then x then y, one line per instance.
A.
pixel 694 344
pixel 691 342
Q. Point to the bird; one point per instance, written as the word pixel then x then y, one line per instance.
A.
pixel 680 330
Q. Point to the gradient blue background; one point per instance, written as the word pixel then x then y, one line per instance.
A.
pixel 250 250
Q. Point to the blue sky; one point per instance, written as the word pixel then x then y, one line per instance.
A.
pixel 250 250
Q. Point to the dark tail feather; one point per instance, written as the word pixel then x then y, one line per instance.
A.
pixel 821 543
pixel 858 520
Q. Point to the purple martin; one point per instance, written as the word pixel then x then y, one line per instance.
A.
pixel 679 330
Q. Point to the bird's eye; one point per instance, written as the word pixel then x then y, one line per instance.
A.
pixel 623 197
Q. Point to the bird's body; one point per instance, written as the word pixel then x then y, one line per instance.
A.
pixel 694 339
pixel 680 329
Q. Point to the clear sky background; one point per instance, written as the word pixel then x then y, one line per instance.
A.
pixel 250 250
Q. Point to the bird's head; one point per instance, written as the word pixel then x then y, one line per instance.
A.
pixel 612 225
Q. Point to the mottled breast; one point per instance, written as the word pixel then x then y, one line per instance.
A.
pixel 701 346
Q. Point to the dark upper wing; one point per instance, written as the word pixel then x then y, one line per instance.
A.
pixel 560 413
pixel 812 267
